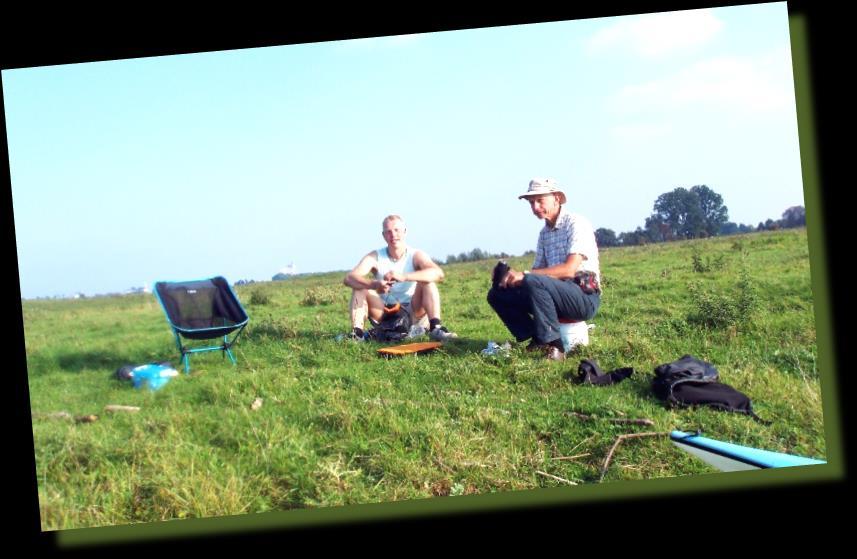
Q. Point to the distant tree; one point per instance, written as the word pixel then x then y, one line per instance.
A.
pixel 681 211
pixel 474 255
pixel 745 228
pixel 771 225
pixel 728 228
pixel 714 213
pixel 477 254
pixel 606 237
pixel 795 216
pixel 633 238
pixel 657 230
pixel 698 212
pixel 761 226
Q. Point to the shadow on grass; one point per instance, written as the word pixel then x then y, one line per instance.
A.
pixel 76 362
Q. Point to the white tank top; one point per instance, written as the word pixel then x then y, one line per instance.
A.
pixel 401 291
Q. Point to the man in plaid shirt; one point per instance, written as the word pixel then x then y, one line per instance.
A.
pixel 564 282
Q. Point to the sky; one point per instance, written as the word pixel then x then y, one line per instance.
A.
pixel 242 163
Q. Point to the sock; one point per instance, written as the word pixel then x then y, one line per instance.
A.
pixel 434 323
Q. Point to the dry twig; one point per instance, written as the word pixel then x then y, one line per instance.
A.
pixel 640 421
pixel 555 477
pixel 575 457
pixel 619 440
pixel 53 415
pixel 116 407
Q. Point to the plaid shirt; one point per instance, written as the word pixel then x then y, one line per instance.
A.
pixel 572 234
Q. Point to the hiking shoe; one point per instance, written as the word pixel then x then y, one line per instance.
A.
pixel 534 346
pixel 356 335
pixel 553 353
pixel 441 334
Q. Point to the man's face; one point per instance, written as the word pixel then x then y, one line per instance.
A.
pixel 544 206
pixel 394 232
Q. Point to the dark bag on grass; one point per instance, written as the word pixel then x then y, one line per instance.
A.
pixel 393 326
pixel 691 382
pixel 686 369
pixel 588 372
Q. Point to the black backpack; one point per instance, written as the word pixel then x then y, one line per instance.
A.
pixel 692 382
pixel 686 369
pixel 393 327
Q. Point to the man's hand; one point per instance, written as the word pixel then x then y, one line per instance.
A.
pixel 381 286
pixel 512 279
pixel 392 277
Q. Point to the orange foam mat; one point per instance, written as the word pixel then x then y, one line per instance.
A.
pixel 405 349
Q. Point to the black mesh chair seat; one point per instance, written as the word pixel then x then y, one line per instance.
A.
pixel 202 310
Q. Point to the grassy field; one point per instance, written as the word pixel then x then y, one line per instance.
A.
pixel 338 425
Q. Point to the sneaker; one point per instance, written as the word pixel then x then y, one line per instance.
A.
pixel 554 353
pixel 441 334
pixel 356 335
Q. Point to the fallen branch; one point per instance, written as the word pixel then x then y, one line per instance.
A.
pixel 53 415
pixel 440 463
pixel 555 477
pixel 86 418
pixel 116 407
pixel 619 440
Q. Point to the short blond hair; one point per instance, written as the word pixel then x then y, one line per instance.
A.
pixel 392 217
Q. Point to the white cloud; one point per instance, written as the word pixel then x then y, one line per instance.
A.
pixel 652 35
pixel 754 83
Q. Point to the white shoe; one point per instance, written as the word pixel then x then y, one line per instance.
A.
pixel 441 334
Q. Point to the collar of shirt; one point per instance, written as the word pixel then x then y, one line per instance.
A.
pixel 559 216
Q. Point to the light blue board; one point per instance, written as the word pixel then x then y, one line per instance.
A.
pixel 732 457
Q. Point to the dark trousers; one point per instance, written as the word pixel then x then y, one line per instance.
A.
pixel 532 310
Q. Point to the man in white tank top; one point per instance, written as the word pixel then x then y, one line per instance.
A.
pixel 400 274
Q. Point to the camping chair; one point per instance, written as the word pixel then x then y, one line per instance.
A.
pixel 202 310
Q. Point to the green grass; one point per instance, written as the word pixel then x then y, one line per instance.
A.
pixel 340 426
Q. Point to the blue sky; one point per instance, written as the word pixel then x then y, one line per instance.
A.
pixel 239 163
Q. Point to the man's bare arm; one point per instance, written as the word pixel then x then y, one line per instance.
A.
pixel 356 278
pixel 426 271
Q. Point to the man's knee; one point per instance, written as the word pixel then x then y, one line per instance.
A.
pixel 493 295
pixel 428 287
pixel 534 281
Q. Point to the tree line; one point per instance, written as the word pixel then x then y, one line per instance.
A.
pixel 692 213
pixel 474 255
pixel 683 213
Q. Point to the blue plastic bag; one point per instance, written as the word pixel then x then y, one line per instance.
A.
pixel 153 375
